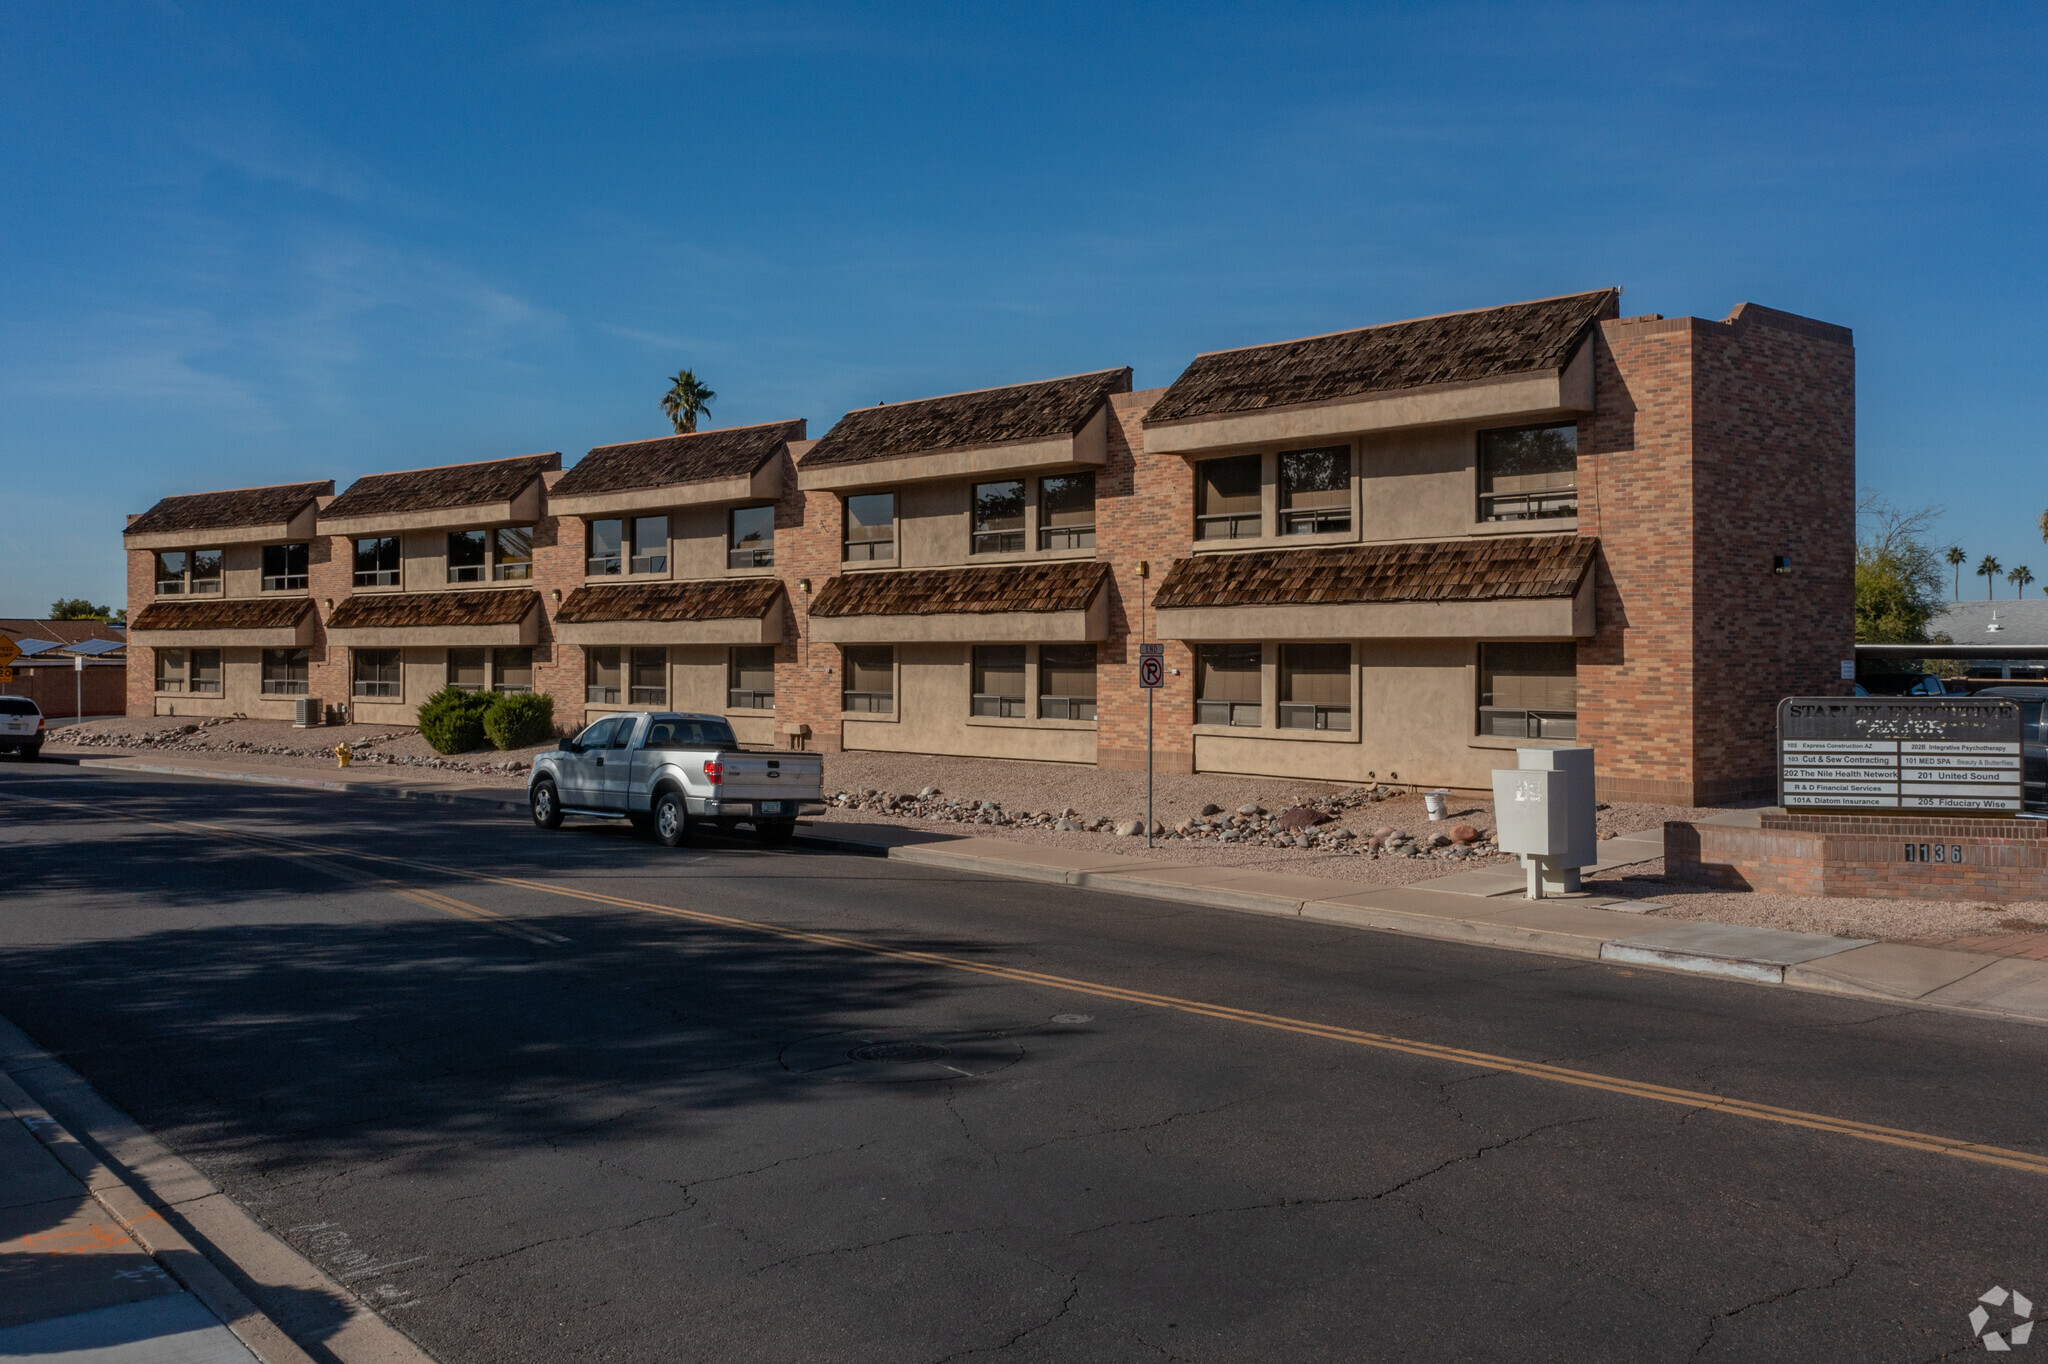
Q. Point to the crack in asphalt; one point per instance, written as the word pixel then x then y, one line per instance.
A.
pixel 1729 1314
pixel 1134 1127
pixel 865 1246
pixel 1066 1305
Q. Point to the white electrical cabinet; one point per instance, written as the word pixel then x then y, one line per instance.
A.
pixel 1543 809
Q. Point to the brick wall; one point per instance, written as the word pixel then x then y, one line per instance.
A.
pixel 559 554
pixel 140 682
pixel 331 576
pixel 2008 863
pixel 807 675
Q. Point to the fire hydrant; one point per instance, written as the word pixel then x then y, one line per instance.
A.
pixel 343 755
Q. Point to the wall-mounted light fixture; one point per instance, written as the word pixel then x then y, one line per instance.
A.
pixel 558 596
pixel 803 585
pixel 330 603
pixel 1144 568
pixel 1781 566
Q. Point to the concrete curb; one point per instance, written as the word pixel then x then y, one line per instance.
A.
pixel 392 790
pixel 202 1238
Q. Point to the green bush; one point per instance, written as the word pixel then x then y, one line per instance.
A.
pixel 452 721
pixel 518 720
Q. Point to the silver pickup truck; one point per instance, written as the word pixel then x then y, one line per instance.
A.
pixel 669 774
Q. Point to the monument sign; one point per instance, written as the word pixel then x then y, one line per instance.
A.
pixel 1916 755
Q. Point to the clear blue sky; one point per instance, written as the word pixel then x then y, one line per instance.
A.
pixel 251 243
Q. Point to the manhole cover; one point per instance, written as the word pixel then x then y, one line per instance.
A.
pixel 885 1057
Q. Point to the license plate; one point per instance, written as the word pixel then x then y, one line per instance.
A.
pixel 771 807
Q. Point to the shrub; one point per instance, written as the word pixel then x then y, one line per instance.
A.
pixel 518 720
pixel 452 721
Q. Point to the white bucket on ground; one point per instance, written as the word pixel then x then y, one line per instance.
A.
pixel 1436 802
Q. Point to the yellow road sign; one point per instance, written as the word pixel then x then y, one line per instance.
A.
pixel 6 674
pixel 9 651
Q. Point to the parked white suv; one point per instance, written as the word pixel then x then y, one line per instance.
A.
pixel 21 726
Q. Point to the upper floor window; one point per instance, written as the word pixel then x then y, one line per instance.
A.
pixel 377 561
pixel 750 538
pixel 998 517
pixel 284 568
pixel 871 526
pixel 1315 686
pixel 650 544
pixel 1227 685
pixel 1529 691
pixel 1315 491
pixel 467 550
pixel 1066 511
pixel 999 680
pixel 607 548
pixel 512 556
pixel 1529 473
pixel 183 572
pixel 1227 503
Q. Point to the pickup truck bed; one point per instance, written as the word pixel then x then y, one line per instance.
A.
pixel 672 773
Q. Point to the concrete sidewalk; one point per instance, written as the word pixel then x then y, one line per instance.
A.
pixel 1484 906
pixel 115 1251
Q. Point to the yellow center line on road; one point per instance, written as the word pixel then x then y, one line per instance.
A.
pixel 1930 1143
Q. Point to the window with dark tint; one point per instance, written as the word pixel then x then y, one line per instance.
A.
pixel 284 671
pixel 1529 691
pixel 206 565
pixel 601 733
pixel 1066 511
pixel 206 672
pixel 1066 682
pixel 377 561
pixel 14 705
pixel 871 527
pixel 466 550
pixel 648 685
pixel 512 554
pixel 284 568
pixel 601 680
pixel 172 669
pixel 170 573
pixel 1315 686
pixel 750 540
pixel 1227 499
pixel 1529 473
pixel 607 539
pixel 512 670
pixel 1315 491
pixel 376 674
pixel 1227 685
pixel 750 679
pixel 469 669
pixel 999 679
pixel 998 517
pixel 650 544
pixel 870 677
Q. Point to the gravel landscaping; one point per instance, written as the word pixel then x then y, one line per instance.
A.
pixel 276 743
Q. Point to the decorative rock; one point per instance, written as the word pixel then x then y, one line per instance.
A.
pixel 1212 809
pixel 1384 831
pixel 1464 833
pixel 928 793
pixel 1301 817
pixel 1068 826
pixel 1249 810
pixel 1130 828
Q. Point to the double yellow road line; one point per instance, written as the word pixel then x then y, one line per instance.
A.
pixel 1536 1070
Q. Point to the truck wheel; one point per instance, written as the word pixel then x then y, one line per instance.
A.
pixel 547 805
pixel 671 820
pixel 777 834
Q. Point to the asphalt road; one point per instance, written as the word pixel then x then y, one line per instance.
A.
pixel 533 1125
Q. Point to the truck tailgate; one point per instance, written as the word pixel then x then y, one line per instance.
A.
pixel 771 776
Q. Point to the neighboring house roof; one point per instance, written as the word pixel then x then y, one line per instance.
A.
pixel 61 631
pixel 991 416
pixel 728 599
pixel 1486 343
pixel 1521 566
pixel 451 485
pixel 223 614
pixel 236 507
pixel 1067 586
pixel 405 609
pixel 734 452
pixel 2020 622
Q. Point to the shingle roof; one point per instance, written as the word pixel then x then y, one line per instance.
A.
pixel 1456 347
pixel 1037 411
pixel 734 452
pixel 62 631
pixel 451 485
pixel 228 614
pixel 731 599
pixel 235 507
pixel 1067 586
pixel 1520 566
pixel 388 609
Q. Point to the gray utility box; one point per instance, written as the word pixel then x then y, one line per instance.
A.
pixel 1544 810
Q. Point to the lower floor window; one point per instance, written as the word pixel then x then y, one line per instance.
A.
pixel 469 669
pixel 1227 685
pixel 1315 686
pixel 648 685
pixel 1066 682
pixel 284 671
pixel 750 678
pixel 999 680
pixel 512 670
pixel 188 670
pixel 1529 691
pixel 601 678
pixel 870 678
pixel 376 674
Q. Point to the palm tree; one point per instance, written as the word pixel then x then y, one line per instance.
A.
pixel 1988 569
pixel 1957 558
pixel 2019 578
pixel 686 400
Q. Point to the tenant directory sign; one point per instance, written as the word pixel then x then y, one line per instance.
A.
pixel 1920 755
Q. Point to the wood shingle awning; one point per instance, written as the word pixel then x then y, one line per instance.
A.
pixel 713 611
pixel 281 623
pixel 397 619
pixel 1060 602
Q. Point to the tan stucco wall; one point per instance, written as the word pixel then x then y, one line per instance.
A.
pixel 1541 618
pixel 1005 627
pixel 241 692
pixel 933 694
pixel 1088 446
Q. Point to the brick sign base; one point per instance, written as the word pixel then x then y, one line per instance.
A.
pixel 1995 860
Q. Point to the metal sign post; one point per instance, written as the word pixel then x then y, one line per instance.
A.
pixel 78 686
pixel 1151 676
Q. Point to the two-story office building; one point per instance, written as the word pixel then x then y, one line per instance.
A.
pixel 1385 554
